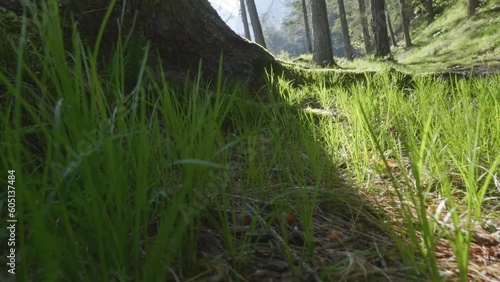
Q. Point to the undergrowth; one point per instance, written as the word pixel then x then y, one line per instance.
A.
pixel 155 181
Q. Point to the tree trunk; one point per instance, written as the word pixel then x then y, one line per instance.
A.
pixel 306 25
pixel 244 19
pixel 257 28
pixel 364 26
pixel 184 33
pixel 382 47
pixel 391 31
pixel 472 6
pixel 405 18
pixel 429 10
pixel 323 54
pixel 345 31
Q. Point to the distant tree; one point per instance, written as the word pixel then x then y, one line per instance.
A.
pixel 323 54
pixel 275 38
pixel 472 6
pixel 345 30
pixel 244 19
pixel 364 26
pixel 293 29
pixel 257 28
pixel 391 31
pixel 306 25
pixel 405 20
pixel 382 47
pixel 429 10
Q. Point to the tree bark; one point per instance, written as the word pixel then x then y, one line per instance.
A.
pixel 364 26
pixel 405 18
pixel 345 31
pixel 391 31
pixel 471 7
pixel 184 33
pixel 257 28
pixel 323 54
pixel 429 10
pixel 382 47
pixel 306 25
pixel 244 19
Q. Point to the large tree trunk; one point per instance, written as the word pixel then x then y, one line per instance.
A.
pixel 405 17
pixel 364 26
pixel 306 25
pixel 257 28
pixel 382 47
pixel 184 33
pixel 323 54
pixel 244 19
pixel 472 6
pixel 345 30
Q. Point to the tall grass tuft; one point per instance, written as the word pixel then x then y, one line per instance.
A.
pixel 109 182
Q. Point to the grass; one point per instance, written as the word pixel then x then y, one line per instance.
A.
pixel 149 182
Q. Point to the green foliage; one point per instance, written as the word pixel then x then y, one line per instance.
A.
pixel 10 25
pixel 119 174
pixel 439 6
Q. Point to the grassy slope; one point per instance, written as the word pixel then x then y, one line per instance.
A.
pixel 455 40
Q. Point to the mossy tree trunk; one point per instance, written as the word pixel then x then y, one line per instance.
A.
pixel 184 33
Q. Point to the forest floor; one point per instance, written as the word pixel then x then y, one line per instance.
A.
pixel 381 178
pixel 349 232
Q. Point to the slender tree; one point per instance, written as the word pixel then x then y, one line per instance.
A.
pixel 323 54
pixel 405 19
pixel 391 31
pixel 345 30
pixel 306 25
pixel 244 19
pixel 472 6
pixel 364 26
pixel 257 28
pixel 429 10
pixel 382 47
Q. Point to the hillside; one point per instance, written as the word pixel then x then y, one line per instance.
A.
pixel 455 42
pixel 452 43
